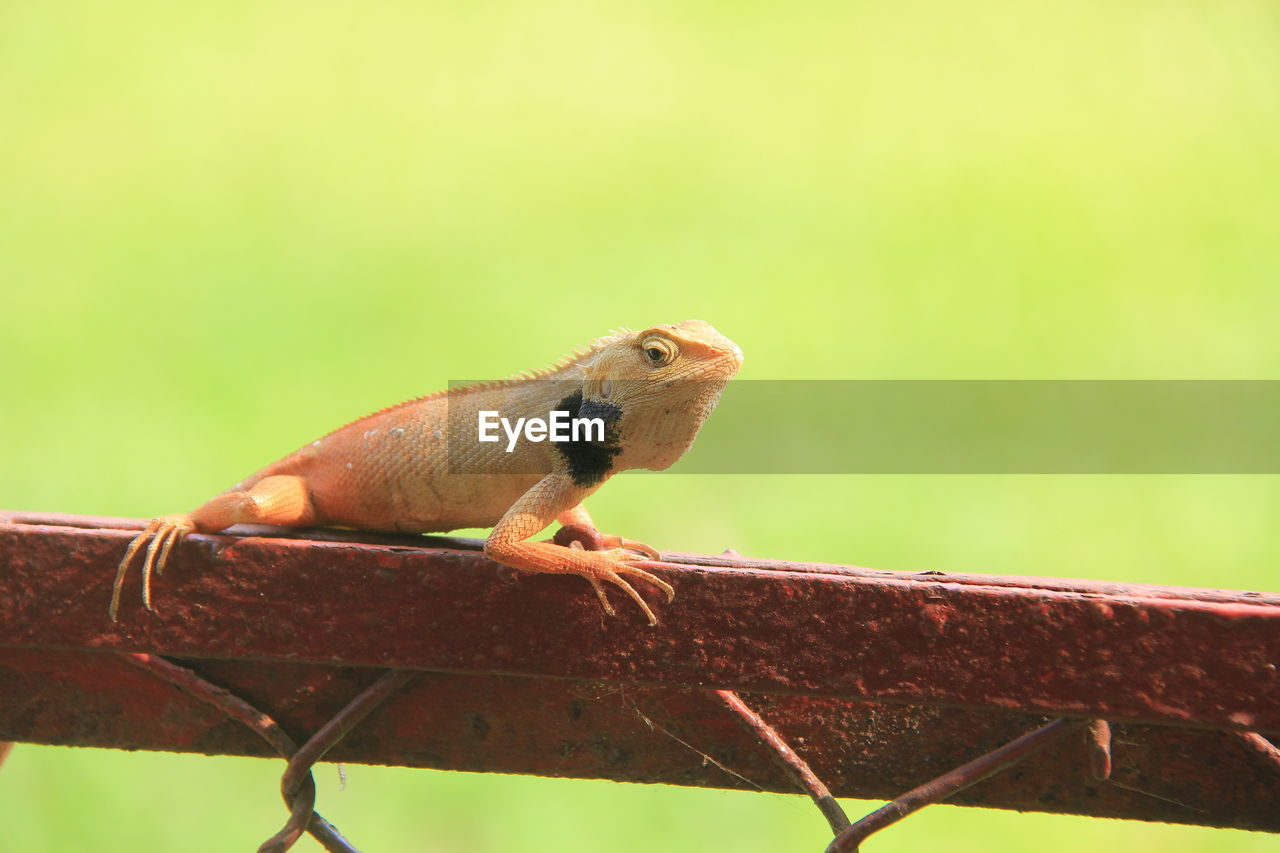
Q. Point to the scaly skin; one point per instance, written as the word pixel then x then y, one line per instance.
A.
pixel 419 466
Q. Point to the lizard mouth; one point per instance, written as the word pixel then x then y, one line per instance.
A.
pixel 733 355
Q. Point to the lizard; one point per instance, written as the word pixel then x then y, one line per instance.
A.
pixel 420 466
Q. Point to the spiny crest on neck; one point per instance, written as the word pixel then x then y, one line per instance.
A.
pixel 581 355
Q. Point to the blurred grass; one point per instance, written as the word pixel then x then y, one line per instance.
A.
pixel 228 227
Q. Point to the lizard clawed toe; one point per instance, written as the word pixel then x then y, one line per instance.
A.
pixel 159 537
pixel 611 566
pixel 647 551
pixel 600 594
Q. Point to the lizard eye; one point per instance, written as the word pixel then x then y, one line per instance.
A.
pixel 659 351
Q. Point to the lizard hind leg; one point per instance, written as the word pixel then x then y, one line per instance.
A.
pixel 280 499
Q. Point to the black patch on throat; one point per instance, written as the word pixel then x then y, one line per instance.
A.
pixel 590 461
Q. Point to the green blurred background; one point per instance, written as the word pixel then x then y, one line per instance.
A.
pixel 226 228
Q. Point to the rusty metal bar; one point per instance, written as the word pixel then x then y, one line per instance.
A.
pixel 1143 655
pixel 878 679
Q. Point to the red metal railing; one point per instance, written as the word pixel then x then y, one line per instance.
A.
pixel 809 678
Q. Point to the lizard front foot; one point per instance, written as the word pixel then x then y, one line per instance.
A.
pixel 610 566
pixel 159 536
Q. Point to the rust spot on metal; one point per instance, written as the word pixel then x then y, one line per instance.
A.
pixel 933 620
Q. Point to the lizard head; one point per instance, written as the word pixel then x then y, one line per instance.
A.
pixel 663 382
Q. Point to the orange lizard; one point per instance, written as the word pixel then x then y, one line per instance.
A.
pixel 421 466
